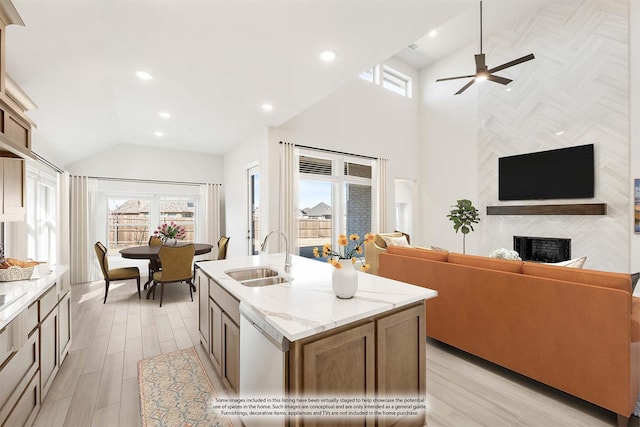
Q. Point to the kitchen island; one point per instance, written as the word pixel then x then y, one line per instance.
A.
pixel 295 340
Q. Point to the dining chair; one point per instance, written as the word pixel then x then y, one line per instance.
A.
pixel 154 264
pixel 223 243
pixel 176 267
pixel 124 273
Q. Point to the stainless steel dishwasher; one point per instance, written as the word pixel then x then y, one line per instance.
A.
pixel 262 368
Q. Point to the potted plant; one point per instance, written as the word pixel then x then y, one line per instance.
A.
pixel 464 215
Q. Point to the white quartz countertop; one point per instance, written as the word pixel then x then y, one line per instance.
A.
pixel 306 305
pixel 22 293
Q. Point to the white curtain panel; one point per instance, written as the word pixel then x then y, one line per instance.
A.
pixel 63 249
pixel 288 193
pixel 83 265
pixel 210 196
pixel 63 245
pixel 381 196
pixel 16 238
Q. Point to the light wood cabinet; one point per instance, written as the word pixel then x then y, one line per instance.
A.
pixel 12 189
pixel 401 360
pixel 380 356
pixel 224 335
pixel 49 355
pixel 202 286
pixel 18 376
pixel 64 328
pixel 215 352
pixel 230 353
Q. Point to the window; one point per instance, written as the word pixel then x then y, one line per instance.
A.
pixel 396 82
pixel 128 223
pixel 132 220
pixel 42 195
pixel 391 79
pixel 335 197
pixel 371 75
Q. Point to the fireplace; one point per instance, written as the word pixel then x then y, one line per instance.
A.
pixel 542 249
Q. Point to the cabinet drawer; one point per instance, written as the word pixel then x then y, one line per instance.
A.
pixel 15 128
pixel 25 411
pixel 18 370
pixel 227 303
pixel 48 302
pixel 32 317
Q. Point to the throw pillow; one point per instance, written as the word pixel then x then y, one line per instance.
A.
pixel 504 253
pixel 396 241
pixel 572 263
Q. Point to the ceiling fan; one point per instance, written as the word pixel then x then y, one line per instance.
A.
pixel 482 71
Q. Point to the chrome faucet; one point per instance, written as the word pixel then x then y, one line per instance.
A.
pixel 287 255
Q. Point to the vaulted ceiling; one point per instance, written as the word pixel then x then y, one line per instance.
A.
pixel 214 63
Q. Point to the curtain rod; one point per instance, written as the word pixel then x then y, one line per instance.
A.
pixel 46 162
pixel 332 151
pixel 149 181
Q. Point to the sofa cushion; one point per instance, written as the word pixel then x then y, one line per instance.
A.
pixel 379 238
pixel 418 253
pixel 395 241
pixel 603 279
pixel 573 263
pixel 508 265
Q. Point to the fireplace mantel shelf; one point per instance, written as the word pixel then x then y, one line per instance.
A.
pixel 564 209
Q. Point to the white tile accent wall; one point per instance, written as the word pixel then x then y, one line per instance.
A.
pixel 579 84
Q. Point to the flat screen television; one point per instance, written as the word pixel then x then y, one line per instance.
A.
pixel 565 173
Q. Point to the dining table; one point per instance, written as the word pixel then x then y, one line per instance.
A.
pixel 150 252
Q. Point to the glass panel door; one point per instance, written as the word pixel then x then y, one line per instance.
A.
pixel 315 216
pixel 253 234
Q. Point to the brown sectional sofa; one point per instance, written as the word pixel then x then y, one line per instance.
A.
pixel 573 329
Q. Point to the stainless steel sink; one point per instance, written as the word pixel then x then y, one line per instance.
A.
pixel 251 273
pixel 265 281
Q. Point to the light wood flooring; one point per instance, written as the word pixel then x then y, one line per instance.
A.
pixel 98 384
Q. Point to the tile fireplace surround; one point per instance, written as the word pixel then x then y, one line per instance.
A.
pixel 542 249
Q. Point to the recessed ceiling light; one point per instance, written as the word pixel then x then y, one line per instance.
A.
pixel 143 75
pixel 158 133
pixel 433 33
pixel 560 132
pixel 164 115
pixel 267 107
pixel 508 89
pixel 328 55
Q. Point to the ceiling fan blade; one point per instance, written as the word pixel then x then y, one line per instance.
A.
pixel 455 78
pixel 512 63
pixel 465 87
pixel 480 63
pixel 498 79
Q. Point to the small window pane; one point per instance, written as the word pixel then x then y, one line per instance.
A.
pixel 367 75
pixel 128 224
pixel 395 82
pixel 182 213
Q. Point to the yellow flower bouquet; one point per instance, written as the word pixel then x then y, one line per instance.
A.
pixel 349 248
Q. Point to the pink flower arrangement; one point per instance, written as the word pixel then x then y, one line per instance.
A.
pixel 170 231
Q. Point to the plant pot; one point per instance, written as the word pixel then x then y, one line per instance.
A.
pixel 344 281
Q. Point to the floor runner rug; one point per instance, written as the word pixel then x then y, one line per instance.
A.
pixel 175 391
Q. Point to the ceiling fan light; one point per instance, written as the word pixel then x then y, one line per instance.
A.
pixel 480 77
